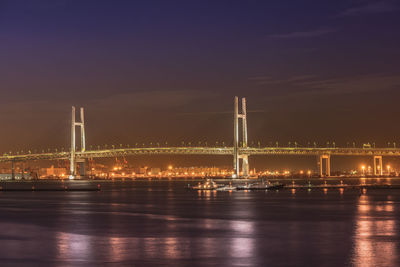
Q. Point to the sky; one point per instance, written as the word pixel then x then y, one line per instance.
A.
pixel 167 71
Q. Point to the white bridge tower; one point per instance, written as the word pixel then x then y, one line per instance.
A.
pixel 236 151
pixel 73 159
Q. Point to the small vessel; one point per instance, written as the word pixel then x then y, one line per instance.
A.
pixel 246 186
pixel 261 186
pixel 228 187
pixel 207 185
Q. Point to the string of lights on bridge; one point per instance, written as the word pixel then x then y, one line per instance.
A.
pixel 217 144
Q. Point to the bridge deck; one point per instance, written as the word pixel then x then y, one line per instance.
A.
pixel 204 151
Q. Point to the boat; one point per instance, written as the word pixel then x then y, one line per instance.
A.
pixel 244 187
pixel 228 187
pixel 261 186
pixel 207 185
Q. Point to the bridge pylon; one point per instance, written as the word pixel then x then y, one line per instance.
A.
pixel 236 151
pixel 75 124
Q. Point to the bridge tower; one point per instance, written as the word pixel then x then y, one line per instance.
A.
pixel 378 166
pixel 327 164
pixel 236 151
pixel 73 159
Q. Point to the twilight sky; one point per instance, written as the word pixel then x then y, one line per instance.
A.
pixel 156 71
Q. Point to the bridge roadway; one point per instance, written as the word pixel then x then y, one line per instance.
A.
pixel 105 153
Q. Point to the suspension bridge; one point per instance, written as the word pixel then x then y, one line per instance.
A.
pixel 240 151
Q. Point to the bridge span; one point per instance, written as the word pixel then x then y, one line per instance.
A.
pixel 326 153
pixel 250 151
pixel 239 151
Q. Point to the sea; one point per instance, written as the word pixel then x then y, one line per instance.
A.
pixel 161 222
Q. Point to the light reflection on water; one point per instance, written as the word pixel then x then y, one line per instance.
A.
pixel 174 249
pixel 242 247
pixel 117 248
pixel 73 246
pixel 374 234
pixel 142 227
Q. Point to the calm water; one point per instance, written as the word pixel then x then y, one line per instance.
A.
pixel 161 223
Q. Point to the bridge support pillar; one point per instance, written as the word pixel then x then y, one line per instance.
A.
pixel 75 124
pixel 81 163
pixel 245 165
pixel 22 171
pixel 236 150
pixel 327 160
pixel 378 165
pixel 13 170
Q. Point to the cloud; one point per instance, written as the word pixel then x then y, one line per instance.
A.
pixel 374 7
pixel 358 84
pixel 160 102
pixel 153 100
pixel 302 34
pixel 344 86
pixel 261 80
pixel 226 112
pixel 311 85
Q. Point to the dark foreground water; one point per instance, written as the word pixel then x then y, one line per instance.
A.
pixel 161 223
